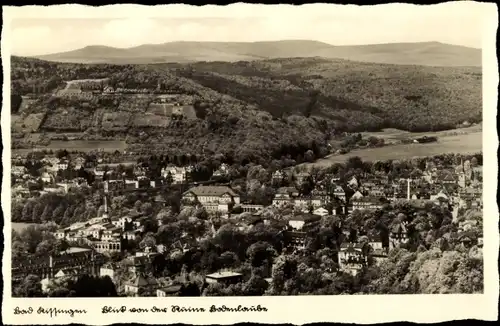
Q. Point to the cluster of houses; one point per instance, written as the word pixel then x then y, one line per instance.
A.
pixel 52 182
pixel 459 188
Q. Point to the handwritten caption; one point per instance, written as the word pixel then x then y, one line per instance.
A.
pixel 51 312
pixel 54 312
pixel 174 308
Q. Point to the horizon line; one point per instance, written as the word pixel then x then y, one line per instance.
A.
pixel 247 42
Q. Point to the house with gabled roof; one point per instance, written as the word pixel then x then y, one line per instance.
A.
pixel 447 177
pixel 141 285
pixel 357 195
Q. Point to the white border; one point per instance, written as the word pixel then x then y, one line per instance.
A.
pixel 296 310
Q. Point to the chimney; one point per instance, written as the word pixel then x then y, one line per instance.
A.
pixel 105 198
pixel 51 262
pixel 408 195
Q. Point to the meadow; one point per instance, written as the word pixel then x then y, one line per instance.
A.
pixel 78 145
pixel 466 143
pixel 19 226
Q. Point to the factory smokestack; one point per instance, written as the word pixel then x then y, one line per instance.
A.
pixel 408 194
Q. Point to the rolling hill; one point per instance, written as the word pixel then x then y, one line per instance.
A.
pixel 425 53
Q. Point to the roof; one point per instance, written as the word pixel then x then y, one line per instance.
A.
pixel 350 247
pixel 211 191
pixel 465 235
pixel 72 250
pixel 305 217
pixel 286 190
pixel 223 274
pixel 171 289
pixel 370 199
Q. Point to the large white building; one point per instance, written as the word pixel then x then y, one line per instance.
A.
pixel 212 196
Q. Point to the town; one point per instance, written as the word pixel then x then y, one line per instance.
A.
pixel 99 226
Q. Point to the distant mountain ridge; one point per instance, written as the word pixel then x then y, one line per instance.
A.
pixel 424 53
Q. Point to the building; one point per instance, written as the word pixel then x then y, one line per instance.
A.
pixel 249 208
pixel 107 245
pixel 378 250
pixel 284 196
pixel 46 177
pixel 298 222
pixel 297 239
pixel 62 164
pixel 141 286
pixel 339 193
pixel 210 195
pixel 178 174
pixel 367 203
pixel 352 258
pixel 307 202
pixel 321 211
pixel 18 170
pixel 78 261
pixel 278 176
pixel 398 235
pixel 169 291
pixel 109 269
pixel 224 277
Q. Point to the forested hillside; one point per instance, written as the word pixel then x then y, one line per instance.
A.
pixel 248 110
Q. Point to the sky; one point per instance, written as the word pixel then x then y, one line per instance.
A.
pixel 43 31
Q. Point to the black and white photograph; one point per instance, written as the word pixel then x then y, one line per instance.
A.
pixel 334 152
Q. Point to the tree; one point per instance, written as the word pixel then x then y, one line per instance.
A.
pixel 309 156
pixel 255 286
pixel 229 259
pixel 148 241
pixel 261 253
pixel 29 287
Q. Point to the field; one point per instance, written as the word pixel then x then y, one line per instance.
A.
pixel 30 124
pixel 68 119
pixel 164 109
pixel 189 112
pixel 78 145
pixel 18 227
pixel 395 135
pixel 471 142
pixel 116 120
pixel 149 120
